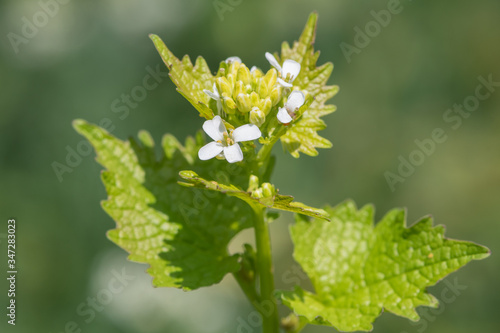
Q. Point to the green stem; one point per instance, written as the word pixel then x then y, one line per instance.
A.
pixel 248 288
pixel 263 156
pixel 268 307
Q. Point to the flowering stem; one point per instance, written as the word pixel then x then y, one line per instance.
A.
pixel 268 308
pixel 265 151
pixel 248 289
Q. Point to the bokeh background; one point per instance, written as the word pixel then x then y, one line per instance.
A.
pixel 393 91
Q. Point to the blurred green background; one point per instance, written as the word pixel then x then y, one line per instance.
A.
pixel 394 91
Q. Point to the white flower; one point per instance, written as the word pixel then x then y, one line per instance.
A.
pixel 225 144
pixel 214 95
pixel 295 100
pixel 289 71
pixel 233 59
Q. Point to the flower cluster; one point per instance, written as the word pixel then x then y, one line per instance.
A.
pixel 245 98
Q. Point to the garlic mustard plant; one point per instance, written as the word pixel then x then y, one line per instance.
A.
pixel 163 217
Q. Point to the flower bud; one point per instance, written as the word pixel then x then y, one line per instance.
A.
pixel 270 78
pixel 229 105
pixel 256 73
pixel 257 117
pixel 233 68
pixel 222 70
pixel 243 74
pixel 254 97
pixel 239 88
pixel 276 95
pixel 257 194
pixel 266 105
pixel 253 183
pixel 243 102
pixel 223 86
pixel 268 190
pixel 231 78
pixel 262 89
pixel 248 88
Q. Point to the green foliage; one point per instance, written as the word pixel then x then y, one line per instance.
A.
pixel 302 137
pixel 182 234
pixel 358 270
pixel 276 201
pixel 190 80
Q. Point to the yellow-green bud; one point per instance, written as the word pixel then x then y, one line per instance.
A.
pixel 257 117
pixel 253 183
pixel 231 78
pixel 223 86
pixel 221 72
pixel 248 88
pixel 229 105
pixel 257 194
pixel 271 78
pixel 239 88
pixel 266 105
pixel 268 190
pixel 262 88
pixel 257 73
pixel 243 102
pixel 276 95
pixel 243 74
pixel 254 97
pixel 233 68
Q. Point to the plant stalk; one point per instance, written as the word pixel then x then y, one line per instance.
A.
pixel 268 307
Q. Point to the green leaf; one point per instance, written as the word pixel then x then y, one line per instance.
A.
pixel 182 234
pixel 303 134
pixel 358 270
pixel 278 201
pixel 190 80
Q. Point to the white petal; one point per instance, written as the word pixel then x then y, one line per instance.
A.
pixel 295 100
pixel 215 94
pixel 233 153
pixel 233 59
pixel 211 94
pixel 210 150
pixel 253 69
pixel 246 133
pixel 283 116
pixel 272 60
pixel 284 84
pixel 215 128
pixel 290 67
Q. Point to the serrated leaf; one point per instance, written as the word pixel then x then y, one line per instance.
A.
pixel 281 202
pixel 358 270
pixel 190 80
pixel 182 234
pixel 302 136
